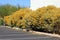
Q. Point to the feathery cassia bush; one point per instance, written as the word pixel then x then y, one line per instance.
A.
pixel 45 19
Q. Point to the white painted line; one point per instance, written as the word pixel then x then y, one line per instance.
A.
pixel 16 35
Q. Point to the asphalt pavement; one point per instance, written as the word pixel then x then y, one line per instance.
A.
pixel 11 34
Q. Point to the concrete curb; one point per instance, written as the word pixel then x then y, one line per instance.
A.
pixel 39 33
pixel 48 34
pixel 35 32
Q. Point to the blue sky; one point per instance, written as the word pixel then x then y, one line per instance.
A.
pixel 23 3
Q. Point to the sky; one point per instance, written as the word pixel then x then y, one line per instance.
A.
pixel 35 4
pixel 22 3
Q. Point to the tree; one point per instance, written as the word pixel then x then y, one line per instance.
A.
pixel 7 10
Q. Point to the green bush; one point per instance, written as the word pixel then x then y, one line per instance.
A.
pixel 7 9
pixel 1 22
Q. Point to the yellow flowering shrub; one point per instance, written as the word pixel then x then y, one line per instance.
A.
pixel 48 17
pixel 7 20
pixel 44 18
pixel 17 18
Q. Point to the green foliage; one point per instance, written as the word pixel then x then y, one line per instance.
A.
pixel 1 21
pixel 7 10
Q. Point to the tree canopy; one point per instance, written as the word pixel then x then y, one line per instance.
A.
pixel 7 9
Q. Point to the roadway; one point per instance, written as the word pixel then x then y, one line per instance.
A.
pixel 11 34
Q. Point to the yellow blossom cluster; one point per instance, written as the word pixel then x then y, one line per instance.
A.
pixel 42 18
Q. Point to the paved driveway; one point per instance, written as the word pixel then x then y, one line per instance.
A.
pixel 10 34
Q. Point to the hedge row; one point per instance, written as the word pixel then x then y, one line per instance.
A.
pixel 45 19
